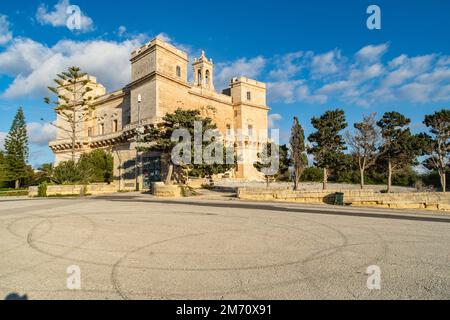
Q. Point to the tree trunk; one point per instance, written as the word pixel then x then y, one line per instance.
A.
pixel 17 184
pixel 267 181
pixel 169 174
pixel 442 174
pixel 362 178
pixel 297 179
pixel 74 134
pixel 325 178
pixel 389 184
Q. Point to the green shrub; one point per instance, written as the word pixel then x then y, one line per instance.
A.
pixel 98 165
pixel 42 190
pixel 312 174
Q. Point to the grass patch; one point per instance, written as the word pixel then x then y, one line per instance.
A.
pixel 14 193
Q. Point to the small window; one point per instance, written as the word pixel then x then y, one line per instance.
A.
pixel 115 126
pixel 90 132
pixel 235 113
pixel 128 119
pixel 199 76
pixel 250 130
pixel 249 95
pixel 101 129
pixel 178 71
pixel 228 130
pixel 207 77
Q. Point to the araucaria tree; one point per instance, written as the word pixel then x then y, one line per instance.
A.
pixel 327 142
pixel 297 143
pixel 399 149
pixel 364 143
pixel 161 139
pixel 438 148
pixel 273 161
pixel 16 146
pixel 72 102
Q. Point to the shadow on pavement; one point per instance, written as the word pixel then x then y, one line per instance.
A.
pixel 269 207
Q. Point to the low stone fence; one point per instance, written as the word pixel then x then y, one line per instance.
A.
pixel 75 190
pixel 159 189
pixel 430 200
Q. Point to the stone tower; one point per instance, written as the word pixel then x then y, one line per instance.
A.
pixel 203 72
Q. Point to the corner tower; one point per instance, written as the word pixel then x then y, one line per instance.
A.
pixel 203 72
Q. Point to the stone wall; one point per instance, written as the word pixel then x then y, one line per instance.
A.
pixel 159 189
pixel 71 190
pixel 429 201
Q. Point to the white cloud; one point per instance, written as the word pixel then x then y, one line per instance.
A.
pixel 40 133
pixel 283 90
pixel 5 33
pixel 417 92
pixel 121 31
pixel 288 65
pixel 325 64
pixel 371 53
pixel 34 65
pixel 58 17
pixel 363 79
pixel 251 68
pixel 273 118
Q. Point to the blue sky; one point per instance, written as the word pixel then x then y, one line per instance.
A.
pixel 314 55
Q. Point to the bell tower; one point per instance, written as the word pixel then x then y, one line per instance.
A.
pixel 203 72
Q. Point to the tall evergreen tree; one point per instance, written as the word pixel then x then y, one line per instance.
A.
pixel 364 144
pixel 400 148
pixel 298 149
pixel 266 157
pixel 72 104
pixel 327 142
pixel 160 139
pixel 16 146
pixel 438 148
pixel 2 167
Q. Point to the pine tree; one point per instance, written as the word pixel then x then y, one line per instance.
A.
pixel 438 147
pixel 298 149
pixel 327 142
pixel 160 137
pixel 16 146
pixel 73 102
pixel 273 155
pixel 400 148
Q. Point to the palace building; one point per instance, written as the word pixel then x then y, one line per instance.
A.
pixel 159 77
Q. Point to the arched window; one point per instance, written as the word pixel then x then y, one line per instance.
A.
pixel 199 77
pixel 207 77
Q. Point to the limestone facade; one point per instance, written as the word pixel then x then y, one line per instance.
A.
pixel 159 75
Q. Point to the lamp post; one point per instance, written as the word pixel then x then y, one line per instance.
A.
pixel 138 136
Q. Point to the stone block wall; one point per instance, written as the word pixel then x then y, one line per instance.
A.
pixel 429 201
pixel 159 189
pixel 71 190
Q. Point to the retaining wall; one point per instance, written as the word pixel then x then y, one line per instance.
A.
pixel 71 190
pixel 429 200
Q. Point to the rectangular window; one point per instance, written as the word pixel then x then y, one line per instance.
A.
pixel 250 130
pixel 101 129
pixel 249 95
pixel 228 130
pixel 115 126
pixel 178 71
pixel 90 132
